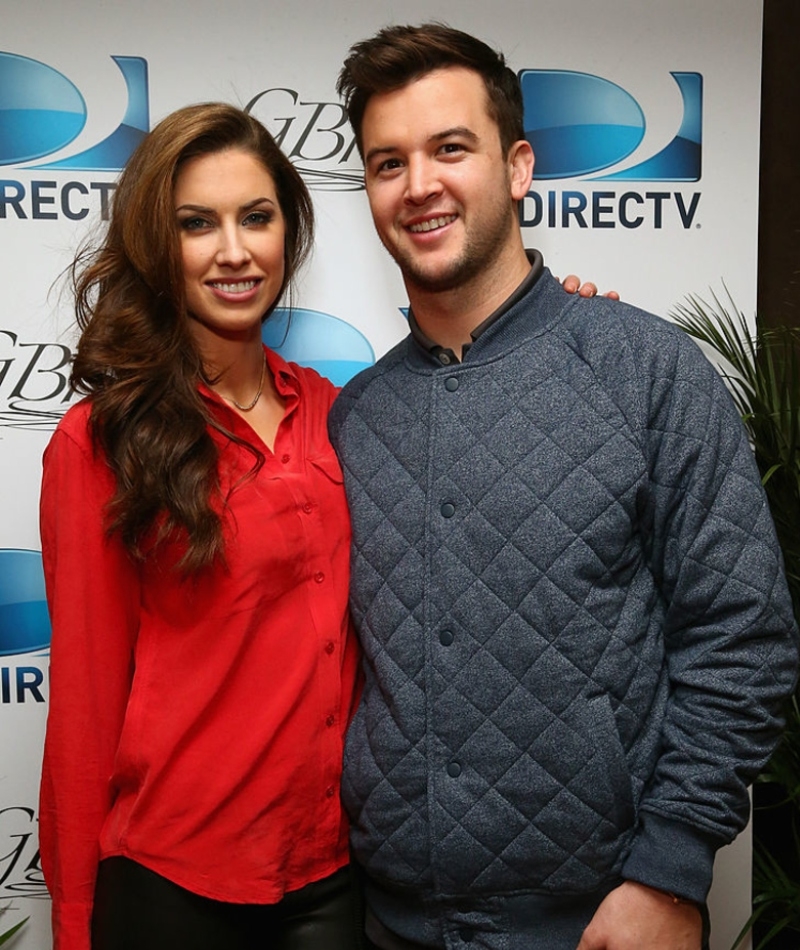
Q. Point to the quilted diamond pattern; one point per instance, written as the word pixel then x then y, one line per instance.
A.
pixel 570 599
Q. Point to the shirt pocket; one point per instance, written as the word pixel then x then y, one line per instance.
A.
pixel 328 464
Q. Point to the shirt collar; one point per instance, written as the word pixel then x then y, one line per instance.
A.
pixel 446 356
pixel 283 374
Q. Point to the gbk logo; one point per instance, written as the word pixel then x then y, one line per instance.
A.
pixel 314 135
pixel 24 621
pixel 330 346
pixel 579 124
pixel 42 112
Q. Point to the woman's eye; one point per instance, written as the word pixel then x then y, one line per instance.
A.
pixel 193 224
pixel 258 217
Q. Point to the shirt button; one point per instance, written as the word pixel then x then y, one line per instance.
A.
pixel 446 638
pixel 444 359
pixel 330 646
pixel 285 458
pixel 319 577
pixel 448 510
pixel 308 507
pixel 330 791
pixel 330 721
pixel 451 384
pixel 453 769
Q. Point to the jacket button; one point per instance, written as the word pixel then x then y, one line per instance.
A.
pixel 448 510
pixel 451 384
pixel 453 769
pixel 446 638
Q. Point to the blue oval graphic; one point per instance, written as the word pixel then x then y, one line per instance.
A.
pixel 577 122
pixel 24 621
pixel 41 110
pixel 113 152
pixel 311 338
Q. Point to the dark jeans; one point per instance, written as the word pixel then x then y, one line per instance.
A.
pixel 137 909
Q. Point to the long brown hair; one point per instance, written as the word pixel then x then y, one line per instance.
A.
pixel 136 357
pixel 398 55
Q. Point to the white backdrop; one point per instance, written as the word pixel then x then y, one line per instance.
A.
pixel 57 55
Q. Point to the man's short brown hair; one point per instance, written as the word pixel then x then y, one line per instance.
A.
pixel 397 55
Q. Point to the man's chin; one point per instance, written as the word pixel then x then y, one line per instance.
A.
pixel 433 280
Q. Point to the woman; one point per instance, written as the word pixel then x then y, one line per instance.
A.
pixel 195 543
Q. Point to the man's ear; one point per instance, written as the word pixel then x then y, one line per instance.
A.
pixel 520 168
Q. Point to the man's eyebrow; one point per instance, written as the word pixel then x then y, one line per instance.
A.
pixel 380 150
pixel 457 131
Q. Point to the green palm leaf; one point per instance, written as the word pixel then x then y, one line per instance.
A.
pixel 10 933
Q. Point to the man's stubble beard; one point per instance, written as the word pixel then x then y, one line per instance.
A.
pixel 479 253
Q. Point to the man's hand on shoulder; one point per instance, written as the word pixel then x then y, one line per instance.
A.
pixel 636 917
pixel 573 285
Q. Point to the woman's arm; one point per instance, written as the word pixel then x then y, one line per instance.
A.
pixel 93 597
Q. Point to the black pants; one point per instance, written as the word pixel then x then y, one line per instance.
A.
pixel 137 909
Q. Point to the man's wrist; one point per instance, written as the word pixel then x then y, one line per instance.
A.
pixel 671 896
pixel 671 856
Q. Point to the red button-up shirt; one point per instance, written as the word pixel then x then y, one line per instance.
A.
pixel 197 726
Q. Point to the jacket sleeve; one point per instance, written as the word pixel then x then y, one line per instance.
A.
pixel 730 639
pixel 93 598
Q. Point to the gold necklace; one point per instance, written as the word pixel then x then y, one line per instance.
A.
pixel 257 396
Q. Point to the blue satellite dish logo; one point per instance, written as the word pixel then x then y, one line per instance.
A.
pixel 24 621
pixel 327 344
pixel 579 124
pixel 42 112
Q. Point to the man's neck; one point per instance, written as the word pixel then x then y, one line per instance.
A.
pixel 448 317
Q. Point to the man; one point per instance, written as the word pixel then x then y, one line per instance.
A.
pixel 576 628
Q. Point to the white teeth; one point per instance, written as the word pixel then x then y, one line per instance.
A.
pixel 238 288
pixel 432 224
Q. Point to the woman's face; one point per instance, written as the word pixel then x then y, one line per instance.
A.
pixel 232 235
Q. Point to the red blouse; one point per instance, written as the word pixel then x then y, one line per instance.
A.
pixel 197 726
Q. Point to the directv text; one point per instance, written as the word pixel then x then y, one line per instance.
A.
pixel 41 200
pixel 607 209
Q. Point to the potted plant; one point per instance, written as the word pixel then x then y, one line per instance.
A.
pixel 762 371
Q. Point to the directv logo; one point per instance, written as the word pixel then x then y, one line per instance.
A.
pixel 330 346
pixel 42 112
pixel 24 623
pixel 584 126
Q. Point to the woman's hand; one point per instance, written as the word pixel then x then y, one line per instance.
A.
pixel 572 284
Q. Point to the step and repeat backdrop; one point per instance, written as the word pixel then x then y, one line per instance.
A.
pixel 660 201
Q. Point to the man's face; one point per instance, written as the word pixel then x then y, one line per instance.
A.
pixel 440 188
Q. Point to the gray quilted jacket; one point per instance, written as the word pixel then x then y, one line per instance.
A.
pixel 576 628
